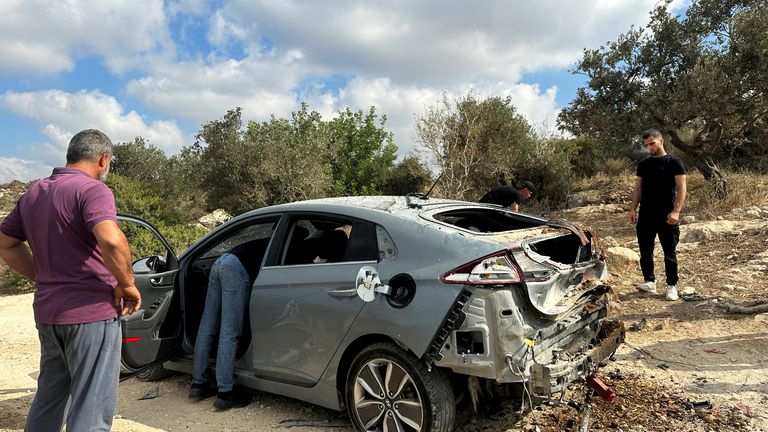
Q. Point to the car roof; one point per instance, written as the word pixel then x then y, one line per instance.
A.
pixel 403 206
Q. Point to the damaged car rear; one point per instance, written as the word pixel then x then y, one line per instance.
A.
pixel 384 306
pixel 535 308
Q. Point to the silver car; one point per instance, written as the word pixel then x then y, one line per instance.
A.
pixel 384 306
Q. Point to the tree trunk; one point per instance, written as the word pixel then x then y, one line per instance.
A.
pixel 712 175
pixel 701 158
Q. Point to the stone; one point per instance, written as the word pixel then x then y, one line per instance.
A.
pixel 621 256
pixel 583 198
pixel 214 219
pixel 687 220
pixel 706 230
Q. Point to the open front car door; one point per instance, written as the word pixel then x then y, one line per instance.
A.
pixel 152 334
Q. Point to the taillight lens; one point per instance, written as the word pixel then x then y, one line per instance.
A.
pixel 496 269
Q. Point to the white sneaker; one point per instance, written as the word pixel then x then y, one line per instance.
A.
pixel 671 293
pixel 648 286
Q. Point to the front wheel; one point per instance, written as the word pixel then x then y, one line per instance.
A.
pixel 388 389
pixel 153 373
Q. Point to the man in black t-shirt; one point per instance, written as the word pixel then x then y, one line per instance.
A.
pixel 660 190
pixel 509 196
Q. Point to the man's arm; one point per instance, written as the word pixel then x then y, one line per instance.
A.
pixel 636 193
pixel 514 206
pixel 117 257
pixel 17 256
pixel 682 189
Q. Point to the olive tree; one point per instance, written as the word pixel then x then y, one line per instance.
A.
pixel 701 77
pixel 475 144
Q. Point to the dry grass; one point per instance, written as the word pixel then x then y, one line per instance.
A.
pixel 624 181
pixel 744 190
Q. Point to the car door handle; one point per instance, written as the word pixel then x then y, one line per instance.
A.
pixel 162 278
pixel 343 292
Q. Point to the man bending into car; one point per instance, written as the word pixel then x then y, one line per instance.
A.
pixel 509 195
pixel 81 265
pixel 229 289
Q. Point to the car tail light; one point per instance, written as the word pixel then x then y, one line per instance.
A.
pixel 496 269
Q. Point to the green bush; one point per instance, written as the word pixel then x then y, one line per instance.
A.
pixel 12 282
pixel 134 199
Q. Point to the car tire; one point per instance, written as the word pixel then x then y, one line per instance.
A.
pixel 387 384
pixel 153 373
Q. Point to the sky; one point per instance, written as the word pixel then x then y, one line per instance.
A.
pixel 161 69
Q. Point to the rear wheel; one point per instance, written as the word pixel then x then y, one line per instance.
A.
pixel 388 389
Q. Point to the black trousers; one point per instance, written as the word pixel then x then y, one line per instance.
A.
pixel 669 235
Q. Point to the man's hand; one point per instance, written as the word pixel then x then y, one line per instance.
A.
pixel 633 216
pixel 673 218
pixel 127 300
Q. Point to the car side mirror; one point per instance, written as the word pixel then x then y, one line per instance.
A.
pixel 368 284
pixel 151 264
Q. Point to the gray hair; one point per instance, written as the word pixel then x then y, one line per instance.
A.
pixel 87 145
pixel 652 133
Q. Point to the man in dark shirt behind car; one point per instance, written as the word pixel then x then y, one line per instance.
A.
pixel 509 196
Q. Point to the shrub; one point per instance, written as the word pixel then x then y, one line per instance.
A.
pixel 12 282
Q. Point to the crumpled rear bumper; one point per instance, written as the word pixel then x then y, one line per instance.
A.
pixel 546 379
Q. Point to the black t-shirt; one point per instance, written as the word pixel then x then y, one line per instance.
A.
pixel 502 195
pixel 658 187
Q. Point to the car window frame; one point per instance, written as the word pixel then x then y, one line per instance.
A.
pixel 277 251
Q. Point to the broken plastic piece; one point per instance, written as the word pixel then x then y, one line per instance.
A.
pixel 151 393
pixel 745 409
pixel 600 388
pixel 701 405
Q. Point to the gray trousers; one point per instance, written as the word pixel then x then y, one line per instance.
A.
pixel 79 374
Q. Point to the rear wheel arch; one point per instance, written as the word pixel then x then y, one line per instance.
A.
pixel 352 350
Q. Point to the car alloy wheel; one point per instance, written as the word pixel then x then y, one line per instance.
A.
pixel 386 397
pixel 390 390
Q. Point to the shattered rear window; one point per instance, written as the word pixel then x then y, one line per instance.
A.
pixel 487 220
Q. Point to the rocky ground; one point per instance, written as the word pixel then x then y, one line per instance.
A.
pixel 687 365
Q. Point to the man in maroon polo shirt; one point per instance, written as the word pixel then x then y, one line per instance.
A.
pixel 81 265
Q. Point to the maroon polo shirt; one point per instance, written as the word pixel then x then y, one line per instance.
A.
pixel 56 217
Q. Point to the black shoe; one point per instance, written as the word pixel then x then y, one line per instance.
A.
pixel 200 391
pixel 236 398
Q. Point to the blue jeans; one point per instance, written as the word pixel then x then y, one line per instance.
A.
pixel 79 373
pixel 229 289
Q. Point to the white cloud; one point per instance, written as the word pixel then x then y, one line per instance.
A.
pixel 62 114
pixel 191 7
pixel 20 169
pixel 48 36
pixel 222 31
pixel 438 42
pixel 204 90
